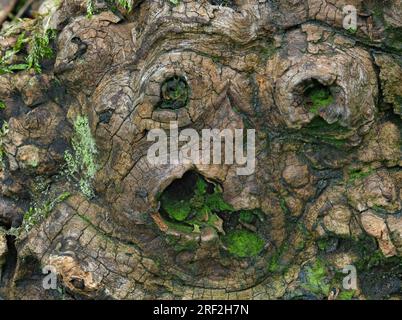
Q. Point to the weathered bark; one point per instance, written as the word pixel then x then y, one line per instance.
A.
pixel 329 175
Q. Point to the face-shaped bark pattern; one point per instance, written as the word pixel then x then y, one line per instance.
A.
pixel 325 103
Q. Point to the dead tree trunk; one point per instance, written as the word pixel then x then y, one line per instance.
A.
pixel 79 198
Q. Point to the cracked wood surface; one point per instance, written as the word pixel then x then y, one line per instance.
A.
pixel 247 66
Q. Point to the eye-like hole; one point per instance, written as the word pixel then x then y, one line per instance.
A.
pixel 325 105
pixel 175 93
pixel 317 96
pixel 82 47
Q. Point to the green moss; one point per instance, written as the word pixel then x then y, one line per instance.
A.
pixel 242 243
pixel 358 174
pixel 319 98
pixel 282 203
pixel 346 295
pixel 369 255
pixel 174 2
pixel 177 210
pixel 316 279
pixel 251 216
pixel 125 4
pixel 180 245
pixel 267 51
pixel 371 260
pixel 2 105
pixel 184 228
pixel 319 126
pixel 332 134
pixel 81 164
pixel 274 263
pixel 323 244
pixel 216 203
pixel 246 216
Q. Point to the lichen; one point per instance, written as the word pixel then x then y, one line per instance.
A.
pixel 37 213
pixel 81 164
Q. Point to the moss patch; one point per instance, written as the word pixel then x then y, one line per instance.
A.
pixel 127 5
pixel 178 210
pixel 346 295
pixel 246 216
pixel 242 243
pixel 358 174
pixel 318 97
pixel 316 279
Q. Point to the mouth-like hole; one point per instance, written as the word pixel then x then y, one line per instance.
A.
pixel 175 93
pixel 194 207
pixel 192 200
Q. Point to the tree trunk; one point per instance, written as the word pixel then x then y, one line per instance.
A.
pixel 80 199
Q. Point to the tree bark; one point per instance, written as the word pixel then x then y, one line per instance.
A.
pixel 326 104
